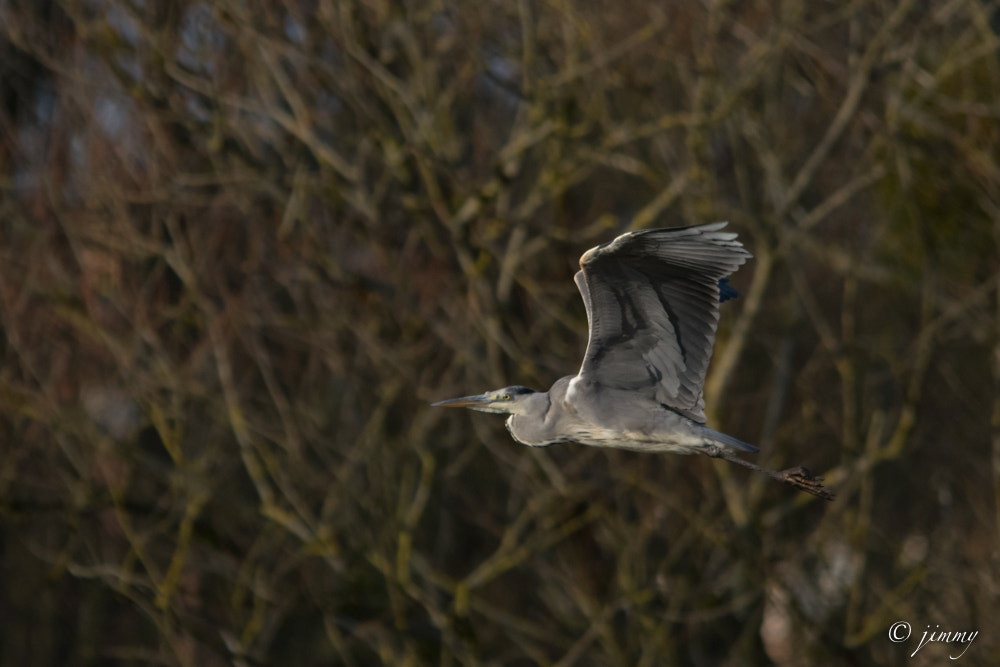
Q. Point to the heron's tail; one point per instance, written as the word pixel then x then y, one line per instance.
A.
pixel 728 440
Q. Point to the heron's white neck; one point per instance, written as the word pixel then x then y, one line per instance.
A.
pixel 530 424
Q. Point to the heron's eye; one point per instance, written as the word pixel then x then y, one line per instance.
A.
pixel 506 397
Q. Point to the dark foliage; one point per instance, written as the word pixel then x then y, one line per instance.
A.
pixel 244 245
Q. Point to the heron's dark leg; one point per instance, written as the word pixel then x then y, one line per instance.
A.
pixel 798 477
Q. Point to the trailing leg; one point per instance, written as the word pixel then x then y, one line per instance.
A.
pixel 798 477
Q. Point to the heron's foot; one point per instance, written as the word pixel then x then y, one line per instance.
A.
pixel 801 478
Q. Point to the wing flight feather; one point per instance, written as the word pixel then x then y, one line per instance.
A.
pixel 652 300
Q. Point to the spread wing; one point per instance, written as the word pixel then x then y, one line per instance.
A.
pixel 652 301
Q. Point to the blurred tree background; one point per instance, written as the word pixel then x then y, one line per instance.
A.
pixel 244 245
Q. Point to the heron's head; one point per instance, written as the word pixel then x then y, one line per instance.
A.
pixel 507 401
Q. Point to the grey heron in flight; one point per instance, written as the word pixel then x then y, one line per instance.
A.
pixel 652 300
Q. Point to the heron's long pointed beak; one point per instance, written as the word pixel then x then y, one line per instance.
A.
pixel 474 402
